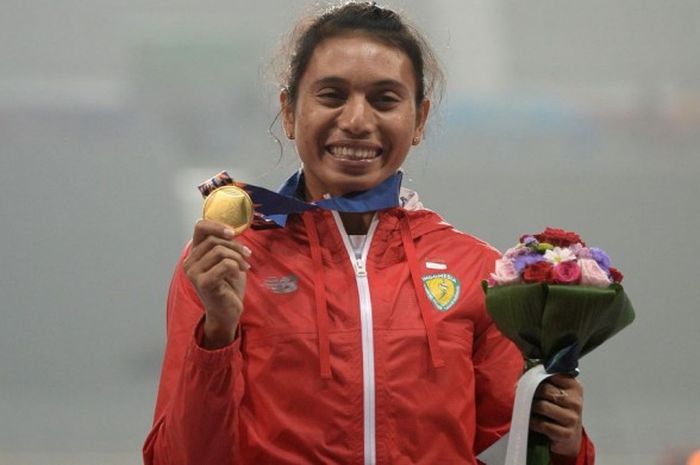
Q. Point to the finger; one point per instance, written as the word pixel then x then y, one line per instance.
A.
pixel 560 386
pixel 228 272
pixel 235 263
pixel 211 242
pixel 555 432
pixel 565 399
pixel 221 280
pixel 556 413
pixel 205 228
pixel 550 392
pixel 564 381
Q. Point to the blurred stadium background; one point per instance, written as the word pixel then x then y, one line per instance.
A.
pixel 583 115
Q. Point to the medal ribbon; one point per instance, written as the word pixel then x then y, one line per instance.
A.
pixel 274 207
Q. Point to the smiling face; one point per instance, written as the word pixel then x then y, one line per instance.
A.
pixel 355 116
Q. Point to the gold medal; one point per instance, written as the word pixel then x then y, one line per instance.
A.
pixel 231 206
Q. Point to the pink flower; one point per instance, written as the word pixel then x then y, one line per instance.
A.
pixel 516 251
pixel 584 252
pixel 576 249
pixel 505 272
pixel 592 274
pixel 566 273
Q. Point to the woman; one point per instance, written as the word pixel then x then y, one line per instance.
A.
pixel 345 337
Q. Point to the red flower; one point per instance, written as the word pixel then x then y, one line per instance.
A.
pixel 559 237
pixel 566 273
pixel 540 272
pixel 616 275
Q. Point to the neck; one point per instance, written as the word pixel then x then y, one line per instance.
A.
pixel 356 223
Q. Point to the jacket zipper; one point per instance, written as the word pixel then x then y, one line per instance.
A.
pixel 359 266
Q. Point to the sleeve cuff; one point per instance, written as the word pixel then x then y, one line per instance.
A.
pixel 211 359
pixel 585 455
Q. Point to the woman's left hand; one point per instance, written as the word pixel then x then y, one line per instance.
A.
pixel 556 413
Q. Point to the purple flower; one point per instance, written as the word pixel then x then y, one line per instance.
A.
pixel 529 241
pixel 601 258
pixel 524 260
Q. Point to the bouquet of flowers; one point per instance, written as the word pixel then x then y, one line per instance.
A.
pixel 557 299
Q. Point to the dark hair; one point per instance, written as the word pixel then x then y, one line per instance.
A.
pixel 368 18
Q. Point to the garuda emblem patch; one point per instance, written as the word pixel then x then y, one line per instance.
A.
pixel 442 290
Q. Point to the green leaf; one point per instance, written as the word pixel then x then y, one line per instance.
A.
pixel 541 319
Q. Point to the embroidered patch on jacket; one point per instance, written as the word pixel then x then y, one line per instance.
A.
pixel 282 285
pixel 442 290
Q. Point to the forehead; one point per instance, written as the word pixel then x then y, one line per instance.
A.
pixel 360 58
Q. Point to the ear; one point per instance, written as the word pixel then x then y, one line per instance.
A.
pixel 287 112
pixel 421 118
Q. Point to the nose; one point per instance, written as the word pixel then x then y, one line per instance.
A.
pixel 356 118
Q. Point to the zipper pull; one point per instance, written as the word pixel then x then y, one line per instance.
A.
pixel 361 270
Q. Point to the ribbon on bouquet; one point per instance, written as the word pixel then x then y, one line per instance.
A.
pixel 511 449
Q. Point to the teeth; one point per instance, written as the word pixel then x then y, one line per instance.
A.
pixel 353 153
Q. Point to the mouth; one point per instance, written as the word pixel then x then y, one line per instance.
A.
pixel 353 153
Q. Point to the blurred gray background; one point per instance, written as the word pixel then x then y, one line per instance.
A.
pixel 583 115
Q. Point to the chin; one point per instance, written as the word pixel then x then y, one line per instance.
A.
pixel 346 186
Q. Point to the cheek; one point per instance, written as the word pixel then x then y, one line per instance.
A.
pixel 403 134
pixel 405 123
pixel 313 123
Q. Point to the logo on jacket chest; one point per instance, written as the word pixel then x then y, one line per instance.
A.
pixel 282 284
pixel 442 290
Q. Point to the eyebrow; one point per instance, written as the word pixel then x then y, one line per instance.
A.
pixel 330 80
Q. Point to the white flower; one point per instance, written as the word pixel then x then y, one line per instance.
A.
pixel 558 255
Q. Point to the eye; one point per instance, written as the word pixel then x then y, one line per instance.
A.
pixel 330 96
pixel 386 100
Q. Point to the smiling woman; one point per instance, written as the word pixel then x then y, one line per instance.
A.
pixel 366 355
pixel 357 99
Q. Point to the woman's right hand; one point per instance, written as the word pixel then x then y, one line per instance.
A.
pixel 216 266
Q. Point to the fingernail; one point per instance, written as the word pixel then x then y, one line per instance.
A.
pixel 246 251
pixel 229 233
pixel 246 266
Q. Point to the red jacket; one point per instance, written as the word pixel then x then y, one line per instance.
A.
pixel 386 359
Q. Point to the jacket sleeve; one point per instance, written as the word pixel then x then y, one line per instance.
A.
pixel 497 366
pixel 586 455
pixel 195 419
